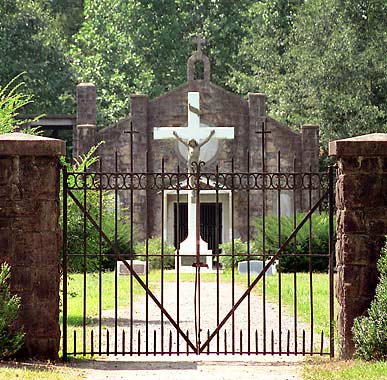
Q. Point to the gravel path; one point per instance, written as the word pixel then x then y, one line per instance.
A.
pixel 178 368
pixel 239 334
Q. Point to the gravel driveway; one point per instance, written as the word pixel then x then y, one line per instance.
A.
pixel 233 336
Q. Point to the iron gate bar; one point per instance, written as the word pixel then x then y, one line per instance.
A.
pixel 310 266
pixel 198 260
pixel 64 262
pixel 295 262
pixel 100 267
pixel 266 267
pixel 115 269
pixel 133 273
pixel 217 253
pixel 84 267
pixel 147 269
pixel 279 259
pixel 233 257
pixel 162 254
pixel 263 132
pixel 131 133
pixel 248 257
pixel 331 201
pixel 177 261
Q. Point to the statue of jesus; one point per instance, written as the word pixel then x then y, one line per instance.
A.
pixel 193 148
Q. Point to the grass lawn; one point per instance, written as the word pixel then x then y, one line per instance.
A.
pixel 344 370
pixel 320 293
pixel 14 371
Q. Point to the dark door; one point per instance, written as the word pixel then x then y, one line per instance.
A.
pixel 207 223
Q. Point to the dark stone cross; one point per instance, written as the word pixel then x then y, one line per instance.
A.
pixel 131 132
pixel 199 40
pixel 263 132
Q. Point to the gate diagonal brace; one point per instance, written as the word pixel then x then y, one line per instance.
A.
pixel 264 270
pixel 132 272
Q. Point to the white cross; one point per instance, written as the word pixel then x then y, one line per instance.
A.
pixel 193 130
pixel 198 132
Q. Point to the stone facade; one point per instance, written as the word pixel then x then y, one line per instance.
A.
pixel 361 200
pixel 219 108
pixel 30 236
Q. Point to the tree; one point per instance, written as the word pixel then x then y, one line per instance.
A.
pixel 103 53
pixel 319 61
pixel 129 46
pixel 31 42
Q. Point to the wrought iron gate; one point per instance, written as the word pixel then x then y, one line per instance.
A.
pixel 215 311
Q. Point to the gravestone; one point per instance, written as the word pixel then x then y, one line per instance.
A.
pixel 139 267
pixel 256 267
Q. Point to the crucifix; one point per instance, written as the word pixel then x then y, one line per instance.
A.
pixel 194 134
pixel 197 135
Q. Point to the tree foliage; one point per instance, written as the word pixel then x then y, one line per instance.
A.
pixel 319 61
pixel 143 46
pixel 31 41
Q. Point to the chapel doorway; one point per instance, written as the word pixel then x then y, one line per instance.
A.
pixel 207 223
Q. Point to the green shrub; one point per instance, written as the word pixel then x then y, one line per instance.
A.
pixel 154 250
pixel 75 229
pixel 75 224
pixel 370 332
pixel 10 341
pixel 12 100
pixel 319 243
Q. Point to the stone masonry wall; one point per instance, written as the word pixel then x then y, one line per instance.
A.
pixel 219 108
pixel 30 237
pixel 361 200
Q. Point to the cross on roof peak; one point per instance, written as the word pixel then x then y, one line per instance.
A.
pixel 199 40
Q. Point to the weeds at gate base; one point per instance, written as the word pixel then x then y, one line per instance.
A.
pixel 10 341
pixel 37 371
pixel 320 369
pixel 370 332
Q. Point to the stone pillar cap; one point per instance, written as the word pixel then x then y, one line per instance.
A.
pixel 22 144
pixel 86 84
pixel 374 144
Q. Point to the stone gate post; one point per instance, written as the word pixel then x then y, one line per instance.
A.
pixel 84 134
pixel 30 237
pixel 361 200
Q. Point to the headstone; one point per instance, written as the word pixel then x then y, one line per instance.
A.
pixel 139 267
pixel 256 267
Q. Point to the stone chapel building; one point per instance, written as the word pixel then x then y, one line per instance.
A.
pixel 219 108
